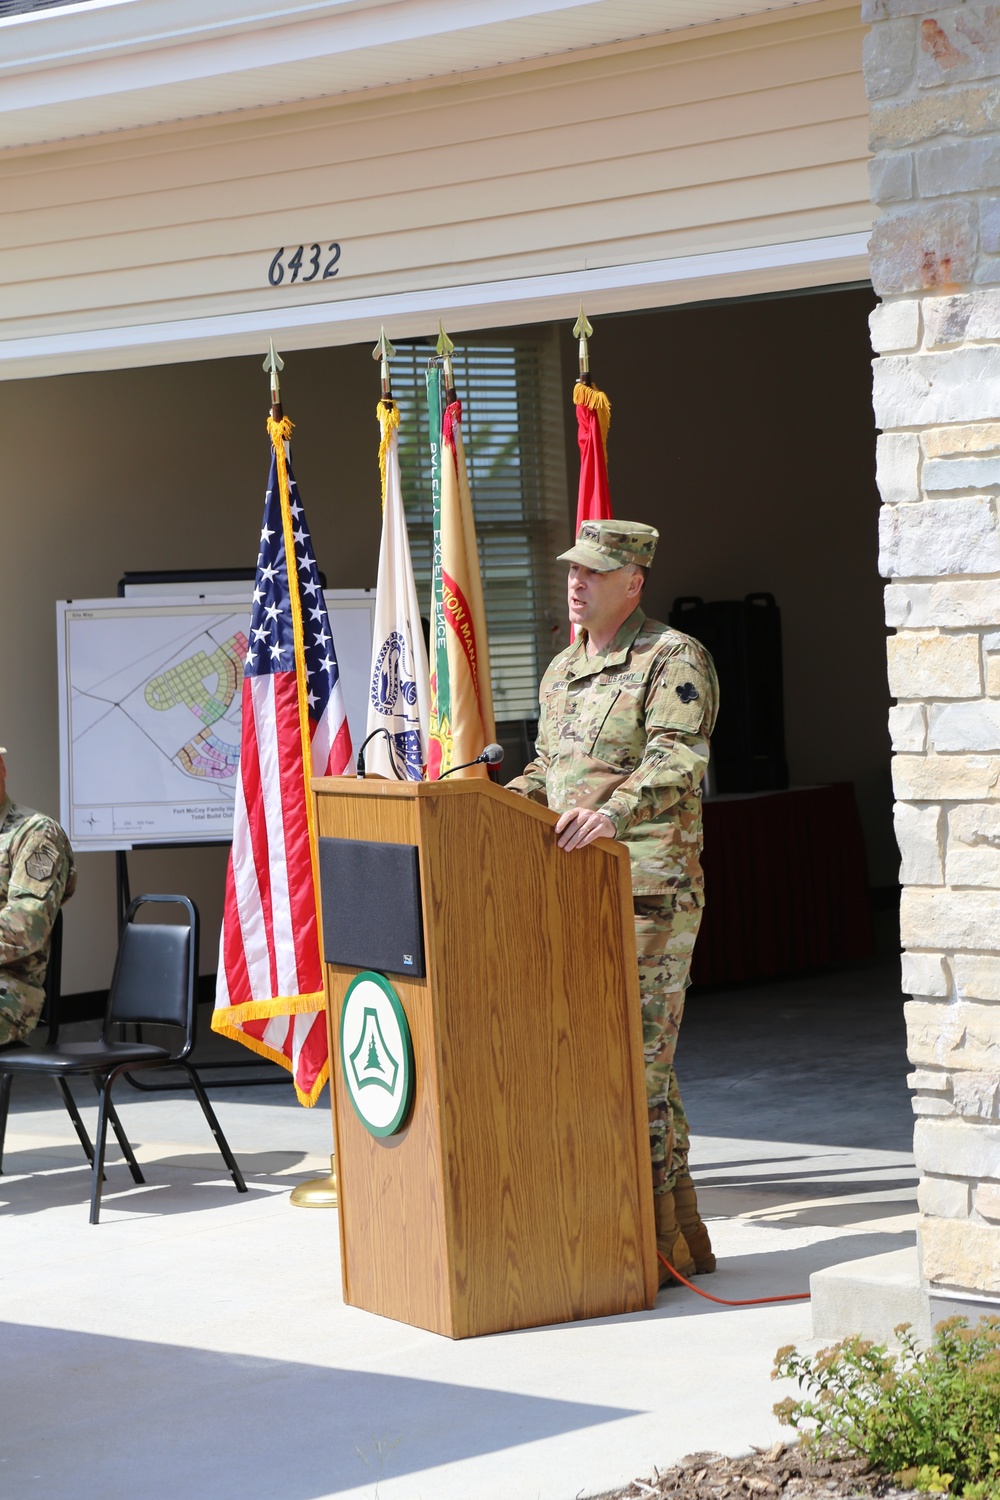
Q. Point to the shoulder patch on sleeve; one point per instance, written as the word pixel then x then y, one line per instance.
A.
pixel 682 698
pixel 40 864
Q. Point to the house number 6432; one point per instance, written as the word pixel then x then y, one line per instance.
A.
pixel 311 258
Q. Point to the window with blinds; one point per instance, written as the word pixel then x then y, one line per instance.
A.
pixel 515 450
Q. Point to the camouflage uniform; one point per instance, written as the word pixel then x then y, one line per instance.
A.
pixel 37 875
pixel 627 732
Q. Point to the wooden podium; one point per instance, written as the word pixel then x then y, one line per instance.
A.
pixel 518 1190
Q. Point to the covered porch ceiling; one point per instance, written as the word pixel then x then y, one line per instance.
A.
pixel 84 69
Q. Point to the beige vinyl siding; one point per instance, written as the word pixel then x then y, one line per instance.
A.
pixel 751 136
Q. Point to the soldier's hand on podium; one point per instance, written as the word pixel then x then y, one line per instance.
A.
pixel 581 826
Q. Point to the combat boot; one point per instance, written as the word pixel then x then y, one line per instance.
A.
pixel 691 1226
pixel 670 1242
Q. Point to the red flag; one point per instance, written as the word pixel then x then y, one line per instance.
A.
pixel 593 418
pixel 270 986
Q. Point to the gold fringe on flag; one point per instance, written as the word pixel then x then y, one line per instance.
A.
pixel 589 395
pixel 388 416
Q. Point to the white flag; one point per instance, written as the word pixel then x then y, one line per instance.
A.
pixel 399 694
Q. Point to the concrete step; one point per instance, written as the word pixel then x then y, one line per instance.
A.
pixel 870 1297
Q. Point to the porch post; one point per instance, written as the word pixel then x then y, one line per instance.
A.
pixel 932 81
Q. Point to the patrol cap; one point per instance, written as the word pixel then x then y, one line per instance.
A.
pixel 606 545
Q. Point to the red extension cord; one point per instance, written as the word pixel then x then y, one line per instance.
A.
pixel 725 1301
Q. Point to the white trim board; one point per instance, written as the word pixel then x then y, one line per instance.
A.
pixel 534 299
pixel 81 70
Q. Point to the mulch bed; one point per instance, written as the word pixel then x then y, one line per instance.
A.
pixel 780 1471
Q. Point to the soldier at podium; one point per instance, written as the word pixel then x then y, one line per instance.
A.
pixel 625 717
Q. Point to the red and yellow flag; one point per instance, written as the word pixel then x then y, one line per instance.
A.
pixel 462 720
pixel 593 418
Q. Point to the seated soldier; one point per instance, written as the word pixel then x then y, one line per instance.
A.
pixel 37 875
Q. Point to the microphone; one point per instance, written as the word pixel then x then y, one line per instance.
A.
pixel 360 768
pixel 491 756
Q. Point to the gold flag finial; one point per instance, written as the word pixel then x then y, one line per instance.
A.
pixel 384 351
pixel 446 349
pixel 582 330
pixel 273 363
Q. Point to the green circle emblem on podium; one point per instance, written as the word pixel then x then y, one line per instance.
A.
pixel 376 1053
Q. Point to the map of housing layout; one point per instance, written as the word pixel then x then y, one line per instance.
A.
pixel 187 685
pixel 150 719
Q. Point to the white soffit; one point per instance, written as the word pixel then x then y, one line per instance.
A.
pixel 754 270
pixel 106 65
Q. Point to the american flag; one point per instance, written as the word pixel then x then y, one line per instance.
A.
pixel 270 986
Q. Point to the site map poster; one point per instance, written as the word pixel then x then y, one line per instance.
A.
pixel 149 714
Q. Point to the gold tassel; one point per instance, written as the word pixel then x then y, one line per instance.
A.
pixel 388 417
pixel 280 433
pixel 589 395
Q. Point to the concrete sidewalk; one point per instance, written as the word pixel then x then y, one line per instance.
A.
pixel 195 1342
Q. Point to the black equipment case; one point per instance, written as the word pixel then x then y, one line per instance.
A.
pixel 744 639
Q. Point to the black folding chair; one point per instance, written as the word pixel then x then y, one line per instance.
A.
pixel 153 984
pixel 53 981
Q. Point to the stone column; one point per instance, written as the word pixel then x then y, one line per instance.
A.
pixel 933 79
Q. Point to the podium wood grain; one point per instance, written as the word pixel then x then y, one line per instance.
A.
pixel 518 1192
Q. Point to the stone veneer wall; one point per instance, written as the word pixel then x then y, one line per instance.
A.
pixel 933 79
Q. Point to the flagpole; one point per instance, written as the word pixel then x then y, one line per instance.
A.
pixel 593 417
pixel 384 351
pixel 439 373
pixel 317 1192
pixel 398 717
pixel 582 330
pixel 272 365
pixel 445 349
pixel 465 716
pixel 587 394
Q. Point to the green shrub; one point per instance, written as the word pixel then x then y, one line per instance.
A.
pixel 929 1416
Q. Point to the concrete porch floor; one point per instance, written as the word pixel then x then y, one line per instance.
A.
pixel 195 1342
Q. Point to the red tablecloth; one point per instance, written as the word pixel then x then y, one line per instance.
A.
pixel 786 884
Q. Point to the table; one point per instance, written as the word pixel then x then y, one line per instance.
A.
pixel 786 884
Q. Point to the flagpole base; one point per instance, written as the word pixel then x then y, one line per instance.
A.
pixel 318 1192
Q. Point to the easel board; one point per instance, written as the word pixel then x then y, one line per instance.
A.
pixel 149 711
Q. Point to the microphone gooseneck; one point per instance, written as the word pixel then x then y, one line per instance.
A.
pixel 491 756
pixel 360 767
